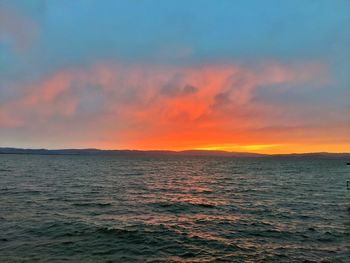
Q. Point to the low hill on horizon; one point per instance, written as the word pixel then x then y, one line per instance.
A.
pixel 92 151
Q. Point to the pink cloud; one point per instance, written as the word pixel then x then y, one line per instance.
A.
pixel 129 104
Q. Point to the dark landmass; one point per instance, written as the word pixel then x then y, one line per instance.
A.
pixel 318 154
pixel 8 150
pixel 5 150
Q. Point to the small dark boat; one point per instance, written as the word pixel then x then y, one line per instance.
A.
pixel 347 163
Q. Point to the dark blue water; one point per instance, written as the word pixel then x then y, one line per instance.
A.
pixel 173 209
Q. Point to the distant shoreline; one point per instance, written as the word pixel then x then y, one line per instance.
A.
pixel 9 150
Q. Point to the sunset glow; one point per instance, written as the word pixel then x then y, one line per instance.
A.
pixel 202 91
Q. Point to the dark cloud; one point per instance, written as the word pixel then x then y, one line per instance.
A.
pixel 176 86
pixel 189 89
pixel 222 99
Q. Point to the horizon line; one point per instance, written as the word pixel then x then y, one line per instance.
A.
pixel 172 151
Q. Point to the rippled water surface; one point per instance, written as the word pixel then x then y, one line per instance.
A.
pixel 173 209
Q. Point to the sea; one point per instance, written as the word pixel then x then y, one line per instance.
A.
pixel 76 208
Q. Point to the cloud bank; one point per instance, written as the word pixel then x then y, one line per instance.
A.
pixel 150 107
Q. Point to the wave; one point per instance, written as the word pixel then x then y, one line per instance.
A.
pixel 91 204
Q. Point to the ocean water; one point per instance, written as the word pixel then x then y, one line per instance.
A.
pixel 173 209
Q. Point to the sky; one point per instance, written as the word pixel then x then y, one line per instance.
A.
pixel 248 75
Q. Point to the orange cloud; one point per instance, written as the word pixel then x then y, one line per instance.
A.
pixel 113 105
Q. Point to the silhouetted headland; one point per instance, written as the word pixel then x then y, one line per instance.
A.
pixel 91 151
